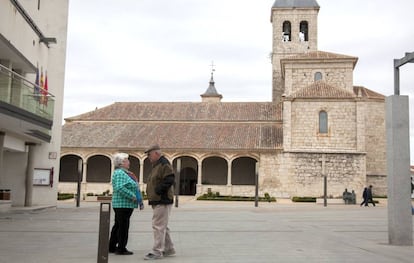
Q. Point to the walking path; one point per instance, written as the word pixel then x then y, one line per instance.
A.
pixel 207 231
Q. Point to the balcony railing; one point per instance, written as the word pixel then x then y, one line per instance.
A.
pixel 24 94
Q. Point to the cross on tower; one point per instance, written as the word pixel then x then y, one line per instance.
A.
pixel 323 160
pixel 212 66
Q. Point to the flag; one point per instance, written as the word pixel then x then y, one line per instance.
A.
pixel 36 89
pixel 45 90
pixel 42 85
pixel 42 80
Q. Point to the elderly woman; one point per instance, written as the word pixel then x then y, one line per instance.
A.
pixel 125 197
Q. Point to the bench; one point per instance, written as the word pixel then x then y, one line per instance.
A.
pixel 349 198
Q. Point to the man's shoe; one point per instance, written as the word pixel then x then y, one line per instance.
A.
pixel 169 253
pixel 151 256
pixel 124 252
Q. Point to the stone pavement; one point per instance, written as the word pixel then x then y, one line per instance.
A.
pixel 208 232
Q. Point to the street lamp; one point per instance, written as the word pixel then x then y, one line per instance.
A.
pixel 409 58
pixel 398 162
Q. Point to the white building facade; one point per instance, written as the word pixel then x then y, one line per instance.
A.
pixel 33 36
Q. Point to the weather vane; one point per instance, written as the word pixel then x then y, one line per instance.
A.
pixel 212 68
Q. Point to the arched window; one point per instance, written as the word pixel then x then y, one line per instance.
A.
pixel 303 31
pixel 318 76
pixel 287 36
pixel 323 122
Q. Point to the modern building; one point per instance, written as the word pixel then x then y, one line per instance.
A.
pixel 317 124
pixel 32 65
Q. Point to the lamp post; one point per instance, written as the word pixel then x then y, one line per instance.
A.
pixel 398 162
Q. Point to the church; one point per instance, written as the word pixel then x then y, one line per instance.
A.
pixel 317 126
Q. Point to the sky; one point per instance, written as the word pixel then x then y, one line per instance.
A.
pixel 162 50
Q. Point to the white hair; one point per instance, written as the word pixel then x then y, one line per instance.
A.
pixel 119 158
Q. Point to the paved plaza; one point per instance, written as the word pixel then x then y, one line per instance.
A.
pixel 206 231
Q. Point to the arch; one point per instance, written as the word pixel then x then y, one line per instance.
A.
pixel 214 171
pixel 287 31
pixel 304 29
pixel 147 169
pixel 188 175
pixel 318 76
pixel 68 171
pixel 323 122
pixel 98 169
pixel 243 171
pixel 134 165
pixel 213 154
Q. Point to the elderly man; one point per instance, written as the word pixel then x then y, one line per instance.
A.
pixel 160 192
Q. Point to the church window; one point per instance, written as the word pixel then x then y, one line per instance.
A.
pixel 286 32
pixel 323 122
pixel 303 31
pixel 318 76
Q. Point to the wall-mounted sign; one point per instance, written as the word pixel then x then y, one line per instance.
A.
pixel 52 155
pixel 42 176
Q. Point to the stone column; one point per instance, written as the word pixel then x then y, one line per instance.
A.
pixel 141 173
pixel 400 227
pixel 199 174
pixel 229 186
pixel 84 184
pixel 29 175
pixel 228 173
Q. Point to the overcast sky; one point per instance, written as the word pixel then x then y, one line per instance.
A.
pixel 161 50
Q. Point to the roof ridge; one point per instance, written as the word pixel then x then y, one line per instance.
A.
pixel 321 89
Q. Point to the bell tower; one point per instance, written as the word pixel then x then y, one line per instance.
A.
pixel 295 31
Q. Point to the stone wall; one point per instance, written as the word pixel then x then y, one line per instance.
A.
pixel 341 126
pixel 294 16
pixel 379 183
pixel 302 173
pixel 299 76
pixel 282 49
pixel 376 138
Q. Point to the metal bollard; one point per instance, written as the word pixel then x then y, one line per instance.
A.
pixel 104 220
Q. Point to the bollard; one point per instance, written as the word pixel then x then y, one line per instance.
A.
pixel 256 192
pixel 177 182
pixel 103 244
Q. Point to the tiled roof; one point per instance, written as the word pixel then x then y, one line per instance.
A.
pixel 320 89
pixel 295 3
pixel 319 55
pixel 185 111
pixel 177 136
pixel 178 125
pixel 367 93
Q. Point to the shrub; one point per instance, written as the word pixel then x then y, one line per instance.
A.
pixel 217 197
pixel 65 196
pixel 307 199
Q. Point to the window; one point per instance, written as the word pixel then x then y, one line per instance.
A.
pixel 318 76
pixel 323 122
pixel 303 31
pixel 286 32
